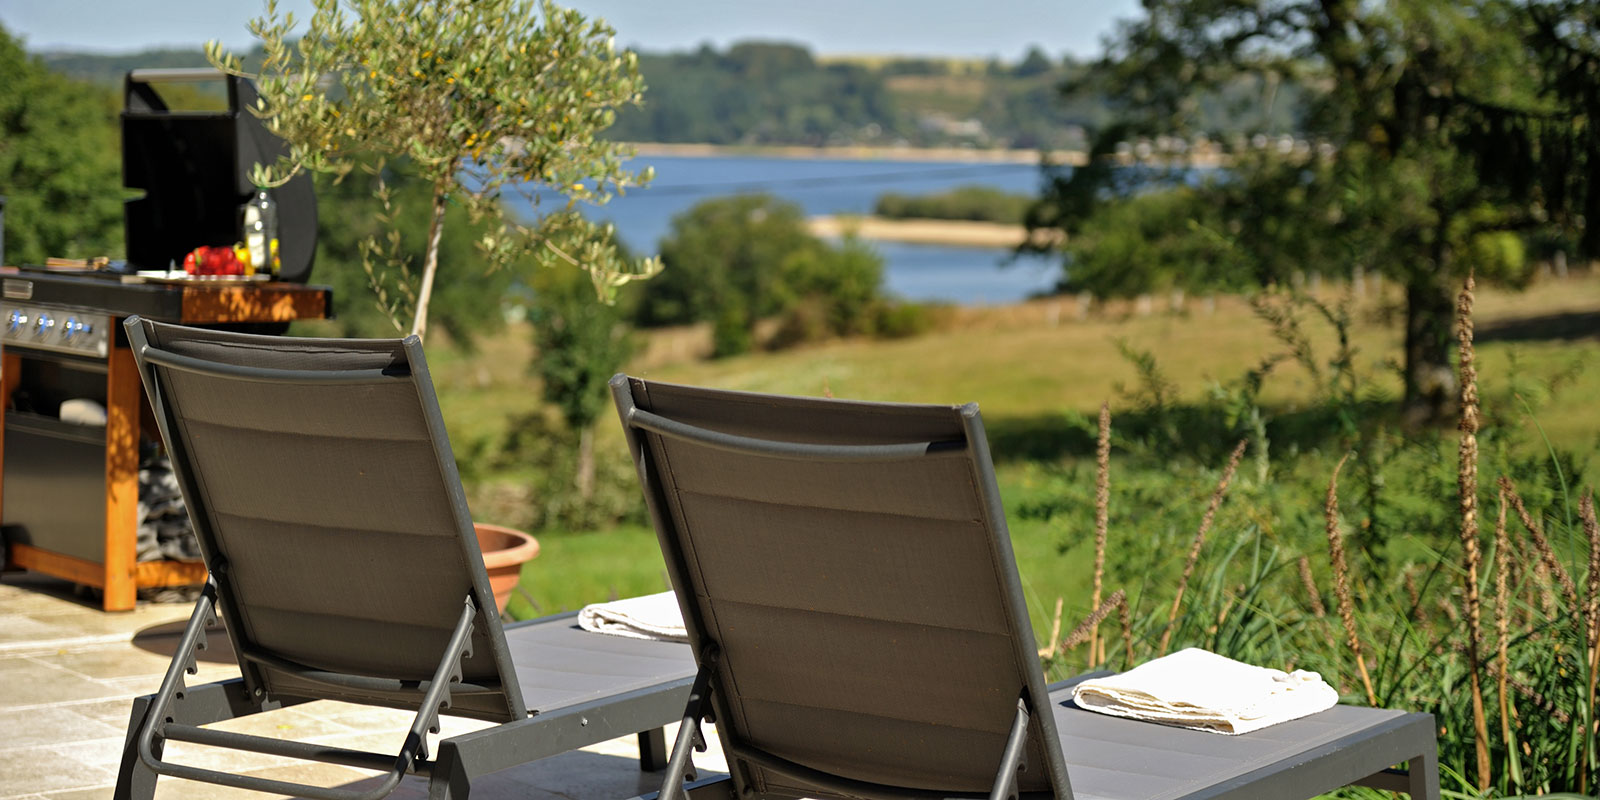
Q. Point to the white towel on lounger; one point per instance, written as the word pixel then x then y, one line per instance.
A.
pixel 1199 689
pixel 653 616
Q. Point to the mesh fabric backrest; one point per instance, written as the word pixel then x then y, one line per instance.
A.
pixel 860 608
pixel 344 547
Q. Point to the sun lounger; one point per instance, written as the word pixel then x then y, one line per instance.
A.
pixel 848 586
pixel 327 505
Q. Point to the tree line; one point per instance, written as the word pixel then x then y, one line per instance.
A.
pixel 775 93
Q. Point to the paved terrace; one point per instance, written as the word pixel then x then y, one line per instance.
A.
pixel 68 674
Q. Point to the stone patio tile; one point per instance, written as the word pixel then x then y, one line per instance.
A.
pixel 91 793
pixel 362 717
pixel 218 758
pixel 28 683
pixel 295 722
pixel 29 771
pixel 87 618
pixel 28 592
pixel 48 726
pixel 390 724
pixel 17 630
pixel 562 777
pixel 150 684
pixel 102 662
pixel 104 752
pixel 579 774
pixel 313 774
pixel 113 711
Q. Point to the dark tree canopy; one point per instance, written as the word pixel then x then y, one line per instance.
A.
pixel 1446 133
pixel 59 163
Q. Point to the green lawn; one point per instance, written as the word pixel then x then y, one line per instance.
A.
pixel 1027 374
pixel 1263 590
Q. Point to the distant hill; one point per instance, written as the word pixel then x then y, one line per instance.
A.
pixel 109 69
pixel 777 93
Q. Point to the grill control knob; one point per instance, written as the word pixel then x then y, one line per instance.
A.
pixel 16 321
pixel 70 328
pixel 44 324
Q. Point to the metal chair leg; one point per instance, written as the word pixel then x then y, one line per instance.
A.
pixel 1005 781
pixel 1424 775
pixel 652 750
pixel 690 739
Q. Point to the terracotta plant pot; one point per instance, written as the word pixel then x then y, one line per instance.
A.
pixel 504 552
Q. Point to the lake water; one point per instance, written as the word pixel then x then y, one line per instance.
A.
pixel 968 276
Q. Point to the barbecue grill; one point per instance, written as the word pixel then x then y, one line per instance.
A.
pixel 70 492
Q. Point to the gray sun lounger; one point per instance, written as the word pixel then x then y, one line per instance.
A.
pixel 848 585
pixel 342 558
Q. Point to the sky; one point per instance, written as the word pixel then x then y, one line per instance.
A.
pixel 951 28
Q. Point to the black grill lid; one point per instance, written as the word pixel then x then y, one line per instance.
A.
pixel 194 168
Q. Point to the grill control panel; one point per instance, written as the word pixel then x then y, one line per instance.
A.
pixel 59 329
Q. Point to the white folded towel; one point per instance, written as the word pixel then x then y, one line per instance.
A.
pixel 1201 690
pixel 653 616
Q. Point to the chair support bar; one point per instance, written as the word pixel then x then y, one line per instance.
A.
pixel 159 724
pixel 200 366
pixel 745 445
pixel 1005 781
pixel 286 748
pixel 681 766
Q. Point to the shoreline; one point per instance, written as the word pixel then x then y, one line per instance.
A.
pixel 949 155
pixel 861 153
pixel 949 233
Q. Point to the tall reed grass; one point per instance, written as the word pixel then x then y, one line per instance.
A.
pixel 1514 697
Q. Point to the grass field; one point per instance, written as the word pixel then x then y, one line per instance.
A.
pixel 1030 367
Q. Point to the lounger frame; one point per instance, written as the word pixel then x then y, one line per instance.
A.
pixel 273 679
pixel 1366 758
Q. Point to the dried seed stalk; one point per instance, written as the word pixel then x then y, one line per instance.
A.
pixel 1543 703
pixel 1413 594
pixel 1199 540
pixel 1547 555
pixel 1341 579
pixel 1311 588
pixel 1080 634
pixel 1127 632
pixel 1102 516
pixel 1055 632
pixel 1467 483
pixel 1591 532
pixel 1544 586
pixel 1502 623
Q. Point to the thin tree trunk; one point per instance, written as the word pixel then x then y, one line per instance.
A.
pixel 1430 382
pixel 586 463
pixel 430 265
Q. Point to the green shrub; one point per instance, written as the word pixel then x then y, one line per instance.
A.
pixel 734 260
pixel 730 333
pixel 899 320
pixel 526 480
pixel 975 203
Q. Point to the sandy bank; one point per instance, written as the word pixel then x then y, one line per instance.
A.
pixel 951 233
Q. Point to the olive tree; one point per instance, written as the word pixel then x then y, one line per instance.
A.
pixel 478 97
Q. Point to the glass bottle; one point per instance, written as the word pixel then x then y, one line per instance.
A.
pixel 268 263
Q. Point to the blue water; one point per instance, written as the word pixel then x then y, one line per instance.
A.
pixel 967 276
